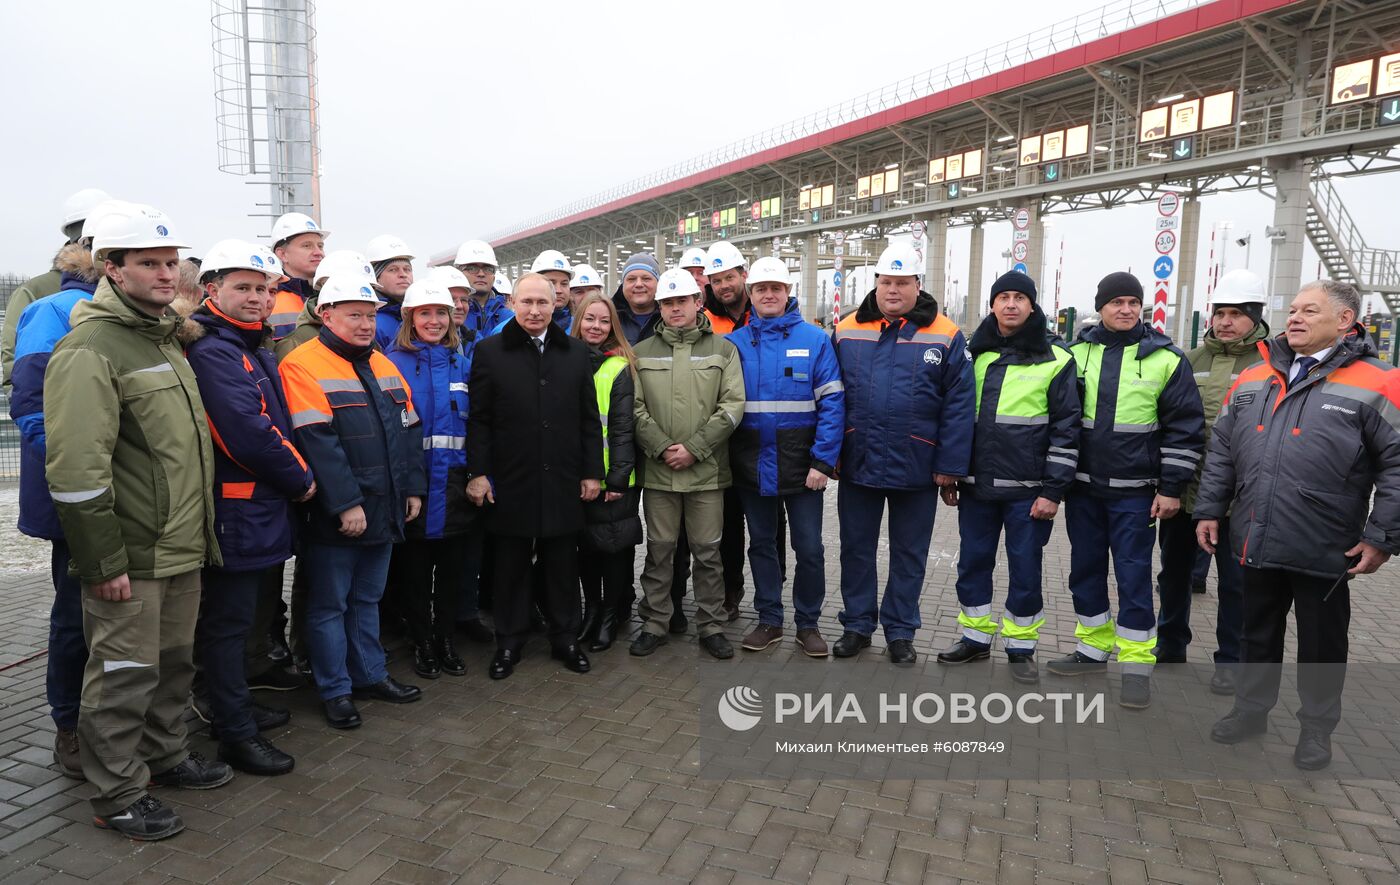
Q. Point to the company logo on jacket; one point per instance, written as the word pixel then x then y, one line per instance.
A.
pixel 933 357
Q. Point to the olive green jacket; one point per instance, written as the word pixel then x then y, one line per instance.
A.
pixel 42 286
pixel 690 390
pixel 130 464
pixel 1215 365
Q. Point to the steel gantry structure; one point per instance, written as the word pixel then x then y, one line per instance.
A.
pixel 1117 107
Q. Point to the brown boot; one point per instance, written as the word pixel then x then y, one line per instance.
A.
pixel 65 754
pixel 812 643
pixel 762 637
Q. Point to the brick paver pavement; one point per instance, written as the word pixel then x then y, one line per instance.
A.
pixel 553 777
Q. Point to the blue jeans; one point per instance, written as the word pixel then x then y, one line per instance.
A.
pixel 862 509
pixel 979 532
pixel 804 510
pixel 226 606
pixel 342 615
pixel 1123 526
pixel 67 648
pixel 1179 561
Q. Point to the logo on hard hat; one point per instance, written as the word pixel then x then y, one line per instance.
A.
pixel 310 225
pixel 933 357
pixel 717 262
pixel 256 260
pixel 896 264
pixel 162 230
pixel 584 278
pixel 671 286
pixel 365 290
pixel 558 262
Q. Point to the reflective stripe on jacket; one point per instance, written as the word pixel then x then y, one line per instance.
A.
pixel 1305 464
pixel 1143 429
pixel 287 306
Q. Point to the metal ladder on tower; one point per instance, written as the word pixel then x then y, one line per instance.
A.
pixel 1338 242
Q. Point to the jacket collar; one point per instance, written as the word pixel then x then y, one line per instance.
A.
pixel 1028 341
pixel 216 321
pixel 514 335
pixel 673 336
pixel 925 310
pixel 784 323
pixel 344 349
pixel 1245 345
pixel 1148 339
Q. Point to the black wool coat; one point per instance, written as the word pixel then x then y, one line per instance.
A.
pixel 534 430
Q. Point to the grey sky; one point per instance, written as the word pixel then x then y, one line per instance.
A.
pixel 443 121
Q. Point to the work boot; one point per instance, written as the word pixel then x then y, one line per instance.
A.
pixel 1076 663
pixel 962 652
pixel 1237 725
pixel 425 662
pixel 850 644
pixel 901 651
pixel 645 644
pixel 1223 682
pixel 194 773
pixel 717 645
pixel 762 636
pixel 144 820
pixel 448 659
pixel 812 644
pixel 65 754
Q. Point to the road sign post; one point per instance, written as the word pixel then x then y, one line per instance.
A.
pixel 1164 240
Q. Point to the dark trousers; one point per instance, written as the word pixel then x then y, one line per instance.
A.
pixel 766 554
pixel 608 577
pixel 515 595
pixel 301 591
pixel 67 649
pixel 266 618
pixel 1177 538
pixel 731 546
pixel 1322 644
pixel 469 606
pixel 432 571
pixel 1124 527
pixel 862 509
pixel 227 603
pixel 980 525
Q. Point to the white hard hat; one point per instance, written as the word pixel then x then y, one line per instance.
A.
pixel 898 260
pixel 723 256
pixel 676 283
pixel 293 223
pixel 347 287
pixel 770 270
pixel 502 284
pixel 342 261
pixel 1239 287
pixel 693 257
pixel 448 277
pixel 476 252
pixel 585 277
pixel 550 259
pixel 96 213
pixel 134 226
pixel 227 255
pixel 77 207
pixel 427 293
pixel 386 247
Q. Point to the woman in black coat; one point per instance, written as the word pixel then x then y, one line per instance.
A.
pixel 535 449
pixel 607 547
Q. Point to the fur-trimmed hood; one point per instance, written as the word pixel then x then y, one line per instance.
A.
pixel 75 260
pixel 189 331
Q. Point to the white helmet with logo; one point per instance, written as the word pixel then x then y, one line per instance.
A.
pixel 133 226
pixel 80 205
pixel 898 260
pixel 550 259
pixel 387 247
pixel 723 256
pixel 502 284
pixel 96 213
pixel 292 224
pixel 342 262
pixel 585 277
pixel 1239 287
pixel 427 293
pixel 676 283
pixel 476 252
pixel 448 277
pixel 693 257
pixel 347 287
pixel 770 270
pixel 227 255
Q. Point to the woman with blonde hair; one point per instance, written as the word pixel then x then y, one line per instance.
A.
pixel 607 547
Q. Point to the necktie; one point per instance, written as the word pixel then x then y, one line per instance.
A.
pixel 539 343
pixel 1304 366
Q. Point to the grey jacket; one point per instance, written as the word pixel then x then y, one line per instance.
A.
pixel 1301 463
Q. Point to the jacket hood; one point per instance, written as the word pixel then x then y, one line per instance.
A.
pixel 75 260
pixel 1032 339
pixel 110 304
pixel 674 336
pixel 925 309
pixel 1248 343
pixel 189 330
pixel 1148 339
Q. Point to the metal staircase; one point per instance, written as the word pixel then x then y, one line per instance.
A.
pixel 1343 251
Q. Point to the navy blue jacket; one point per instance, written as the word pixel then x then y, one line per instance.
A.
pixel 258 472
pixel 386 325
pixel 794 404
pixel 635 328
pixel 40 327
pixel 437 378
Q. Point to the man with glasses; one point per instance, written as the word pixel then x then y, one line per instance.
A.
pixel 488 309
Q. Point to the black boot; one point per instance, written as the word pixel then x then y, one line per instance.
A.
pixel 448 659
pixel 425 662
pixel 607 631
pixel 588 624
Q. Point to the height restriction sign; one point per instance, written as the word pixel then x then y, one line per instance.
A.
pixel 1166 241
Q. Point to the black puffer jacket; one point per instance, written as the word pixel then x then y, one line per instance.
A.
pixel 614 525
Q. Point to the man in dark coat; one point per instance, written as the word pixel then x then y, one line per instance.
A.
pixel 535 451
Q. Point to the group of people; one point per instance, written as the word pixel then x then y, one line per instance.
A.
pixel 189 427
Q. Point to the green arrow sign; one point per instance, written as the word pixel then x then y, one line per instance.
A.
pixel 1390 112
pixel 1183 148
pixel 1052 171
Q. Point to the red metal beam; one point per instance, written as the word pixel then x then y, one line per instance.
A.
pixel 1174 27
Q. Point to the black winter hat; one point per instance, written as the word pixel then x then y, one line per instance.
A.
pixel 1015 281
pixel 1117 285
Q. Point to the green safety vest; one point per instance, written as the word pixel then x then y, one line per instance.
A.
pixel 1024 397
pixel 1140 384
pixel 602 384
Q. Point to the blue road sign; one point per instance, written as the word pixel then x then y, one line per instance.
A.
pixel 1020 267
pixel 836 279
pixel 1163 267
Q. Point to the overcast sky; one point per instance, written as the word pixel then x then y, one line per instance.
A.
pixel 444 121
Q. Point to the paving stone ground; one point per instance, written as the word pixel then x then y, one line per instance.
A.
pixel 553 777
